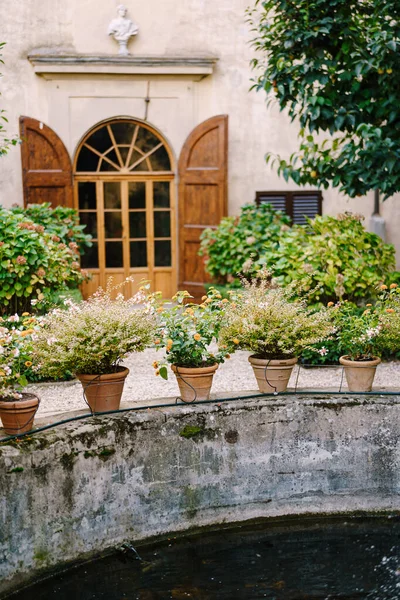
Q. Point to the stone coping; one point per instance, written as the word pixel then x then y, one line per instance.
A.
pixel 318 396
pixel 56 65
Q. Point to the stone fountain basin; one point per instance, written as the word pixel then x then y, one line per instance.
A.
pixel 81 488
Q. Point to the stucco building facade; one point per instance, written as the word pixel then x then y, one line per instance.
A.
pixel 188 64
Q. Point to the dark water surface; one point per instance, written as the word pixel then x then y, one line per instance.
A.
pixel 326 561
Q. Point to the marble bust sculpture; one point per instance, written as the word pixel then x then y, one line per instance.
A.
pixel 122 29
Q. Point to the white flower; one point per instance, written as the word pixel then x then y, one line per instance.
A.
pixel 323 351
pixel 16 352
pixel 247 265
pixel 13 318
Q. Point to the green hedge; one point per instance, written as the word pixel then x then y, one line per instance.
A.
pixel 237 244
pixel 334 255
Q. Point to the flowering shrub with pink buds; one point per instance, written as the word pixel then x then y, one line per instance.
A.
pixel 34 263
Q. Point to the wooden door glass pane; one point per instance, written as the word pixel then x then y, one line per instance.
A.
pixel 87 195
pixel 160 160
pixel 129 143
pixel 137 224
pixel 89 219
pixel 138 254
pixel 162 223
pixel 100 140
pixel 90 260
pixel 87 160
pixel 137 194
pixel 114 255
pixel 112 195
pixel 146 140
pixel 161 194
pixel 113 224
pixel 162 253
pixel 123 132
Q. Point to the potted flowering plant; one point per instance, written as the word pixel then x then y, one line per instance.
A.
pixel 90 339
pixel 186 331
pixel 17 409
pixel 275 325
pixel 362 338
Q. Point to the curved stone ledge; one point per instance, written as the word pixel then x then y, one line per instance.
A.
pixel 81 488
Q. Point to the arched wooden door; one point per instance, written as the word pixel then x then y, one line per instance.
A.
pixel 46 165
pixel 124 192
pixel 203 171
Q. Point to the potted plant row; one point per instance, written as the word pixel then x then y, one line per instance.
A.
pixel 91 339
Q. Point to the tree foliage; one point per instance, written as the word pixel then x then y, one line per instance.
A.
pixel 5 141
pixel 334 65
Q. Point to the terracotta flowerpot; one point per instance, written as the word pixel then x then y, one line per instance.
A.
pixel 272 374
pixel 359 373
pixel 18 415
pixel 194 383
pixel 103 392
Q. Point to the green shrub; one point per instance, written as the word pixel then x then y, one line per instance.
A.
pixel 34 264
pixel 94 336
pixel 337 254
pixel 272 322
pixel 61 222
pixel 235 246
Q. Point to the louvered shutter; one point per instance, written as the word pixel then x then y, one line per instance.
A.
pixel 297 205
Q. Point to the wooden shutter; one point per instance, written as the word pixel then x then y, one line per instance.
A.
pixel 46 165
pixel 203 172
pixel 297 205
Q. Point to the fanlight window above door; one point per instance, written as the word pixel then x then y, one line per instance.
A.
pixel 123 146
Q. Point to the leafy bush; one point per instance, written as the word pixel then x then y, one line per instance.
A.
pixel 33 263
pixel 333 66
pixel 61 222
pixel 92 337
pixel 186 331
pixel 272 322
pixel 341 259
pixel 236 244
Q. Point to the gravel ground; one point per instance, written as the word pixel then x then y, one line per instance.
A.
pixel 234 376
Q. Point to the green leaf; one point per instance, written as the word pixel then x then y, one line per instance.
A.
pixel 164 372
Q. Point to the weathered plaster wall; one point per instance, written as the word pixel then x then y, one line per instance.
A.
pixel 167 27
pixel 81 488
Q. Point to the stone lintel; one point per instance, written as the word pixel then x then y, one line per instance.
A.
pixel 52 65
